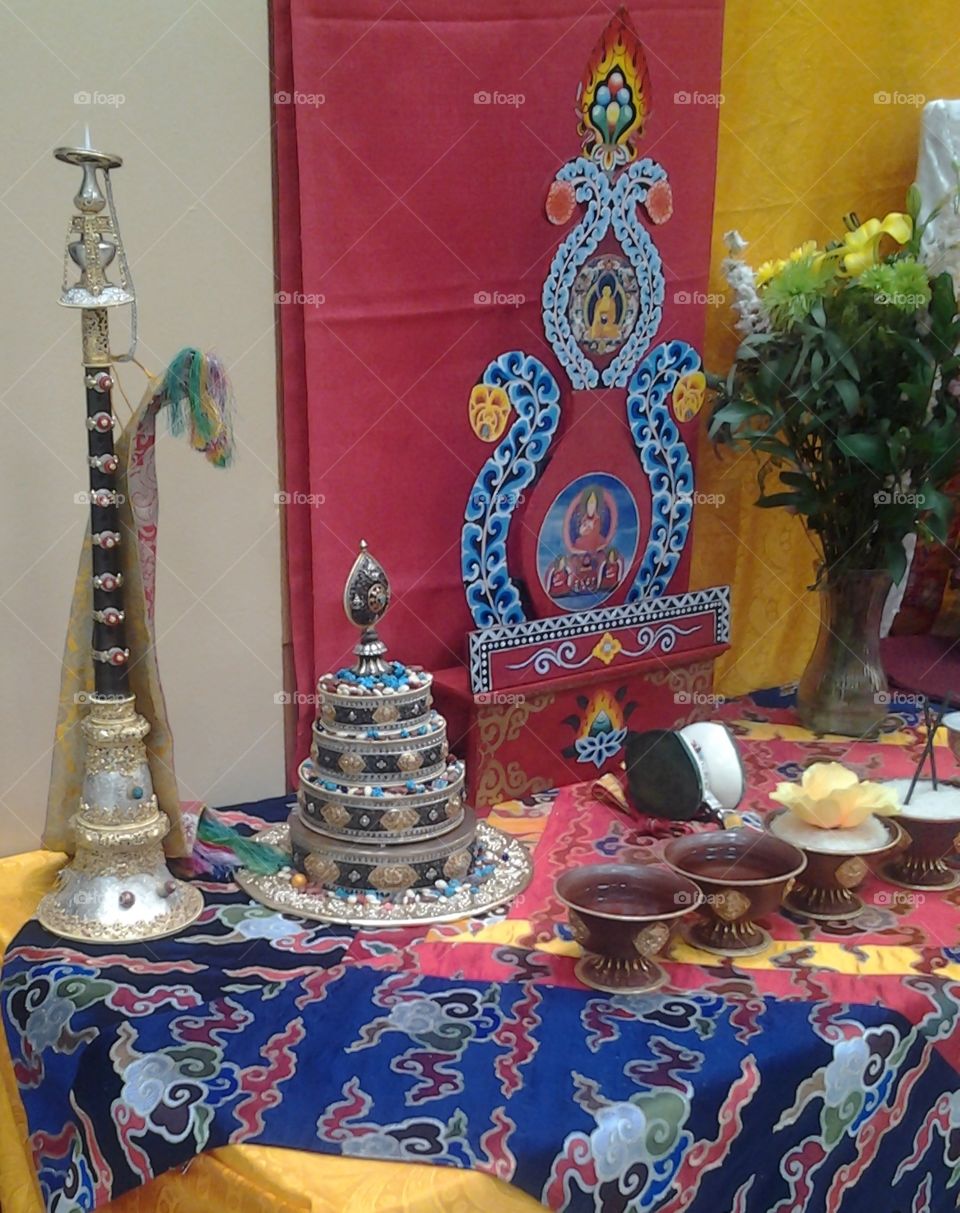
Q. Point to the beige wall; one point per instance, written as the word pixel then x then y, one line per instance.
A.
pixel 190 116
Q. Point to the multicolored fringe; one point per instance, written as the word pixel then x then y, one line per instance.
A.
pixel 200 400
pixel 219 849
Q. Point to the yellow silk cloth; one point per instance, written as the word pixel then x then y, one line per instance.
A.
pixel 820 116
pixel 241 1179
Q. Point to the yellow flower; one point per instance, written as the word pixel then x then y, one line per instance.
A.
pixel 807 249
pixel 688 395
pixel 860 247
pixel 831 796
pixel 768 270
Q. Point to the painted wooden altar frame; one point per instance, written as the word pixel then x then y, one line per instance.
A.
pixel 574 554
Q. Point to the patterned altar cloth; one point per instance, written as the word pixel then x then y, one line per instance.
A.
pixel 822 1076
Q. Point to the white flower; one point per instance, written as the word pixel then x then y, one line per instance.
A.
pixel 740 276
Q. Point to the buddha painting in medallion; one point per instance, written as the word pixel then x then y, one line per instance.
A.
pixel 603 304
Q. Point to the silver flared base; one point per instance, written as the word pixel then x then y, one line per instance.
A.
pixel 118 889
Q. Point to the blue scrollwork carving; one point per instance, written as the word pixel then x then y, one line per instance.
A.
pixel 607 205
pixel 665 462
pixel 631 191
pixel 491 594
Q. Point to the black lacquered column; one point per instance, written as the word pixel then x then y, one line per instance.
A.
pixel 110 653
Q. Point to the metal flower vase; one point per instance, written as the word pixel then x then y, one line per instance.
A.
pixel 844 688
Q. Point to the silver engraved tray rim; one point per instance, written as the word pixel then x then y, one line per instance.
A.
pixel 510 878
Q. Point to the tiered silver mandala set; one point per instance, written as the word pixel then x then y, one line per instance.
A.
pixel 380 833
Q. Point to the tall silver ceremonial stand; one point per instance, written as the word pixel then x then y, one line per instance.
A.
pixel 118 887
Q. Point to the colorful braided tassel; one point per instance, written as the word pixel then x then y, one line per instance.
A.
pixel 219 849
pixel 200 399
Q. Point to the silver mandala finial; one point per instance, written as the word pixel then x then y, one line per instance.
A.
pixel 366 597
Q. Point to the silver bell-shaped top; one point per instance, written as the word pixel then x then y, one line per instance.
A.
pixel 96 240
pixel 366 597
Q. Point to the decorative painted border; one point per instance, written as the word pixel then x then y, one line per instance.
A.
pixel 558 630
pixel 491 594
pixel 563 656
pixel 665 461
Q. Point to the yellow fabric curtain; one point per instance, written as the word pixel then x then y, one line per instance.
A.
pixel 821 115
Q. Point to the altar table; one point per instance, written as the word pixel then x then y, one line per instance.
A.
pixel 820 1076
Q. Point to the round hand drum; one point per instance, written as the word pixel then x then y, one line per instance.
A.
pixel 683 774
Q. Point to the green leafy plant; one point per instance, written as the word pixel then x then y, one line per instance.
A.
pixel 847 386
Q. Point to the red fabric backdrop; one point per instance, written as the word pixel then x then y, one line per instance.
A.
pixel 415 145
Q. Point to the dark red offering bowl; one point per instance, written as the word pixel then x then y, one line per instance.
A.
pixel 743 875
pixel 930 841
pixel 621 915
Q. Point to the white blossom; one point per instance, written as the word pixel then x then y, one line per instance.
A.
pixel 746 301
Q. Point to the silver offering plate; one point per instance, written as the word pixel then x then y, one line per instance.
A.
pixel 509 878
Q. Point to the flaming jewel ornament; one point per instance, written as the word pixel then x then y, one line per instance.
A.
pixel 613 98
pixel 118 887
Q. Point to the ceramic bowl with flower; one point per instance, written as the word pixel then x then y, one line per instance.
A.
pixel 837 820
